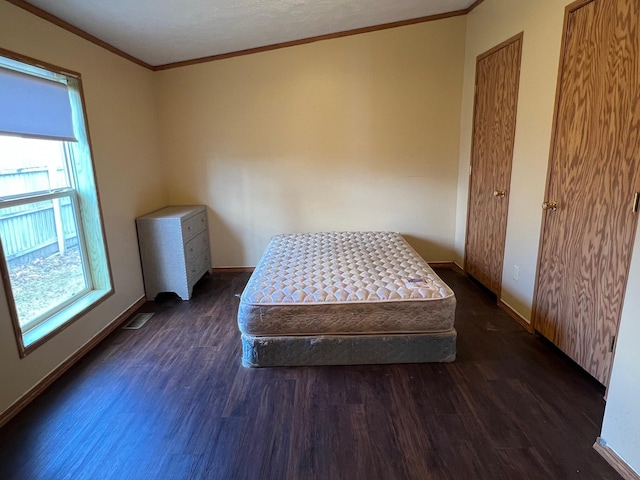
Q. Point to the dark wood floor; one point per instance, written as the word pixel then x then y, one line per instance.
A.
pixel 171 401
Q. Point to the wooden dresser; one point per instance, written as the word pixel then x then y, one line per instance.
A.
pixel 174 249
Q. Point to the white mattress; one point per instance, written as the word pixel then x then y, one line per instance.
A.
pixel 344 283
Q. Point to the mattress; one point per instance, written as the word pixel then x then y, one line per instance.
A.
pixel 345 298
pixel 344 283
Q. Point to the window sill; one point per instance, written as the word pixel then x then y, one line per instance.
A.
pixel 62 319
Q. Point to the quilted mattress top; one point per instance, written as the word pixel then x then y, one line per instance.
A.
pixel 341 267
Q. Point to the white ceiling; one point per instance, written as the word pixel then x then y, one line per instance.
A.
pixel 160 32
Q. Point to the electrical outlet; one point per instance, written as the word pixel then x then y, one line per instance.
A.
pixel 516 272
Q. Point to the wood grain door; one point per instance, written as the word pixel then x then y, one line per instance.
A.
pixel 494 123
pixel 589 226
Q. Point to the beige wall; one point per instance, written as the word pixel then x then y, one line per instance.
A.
pixel 355 133
pixel 121 111
pixel 488 25
pixel 621 424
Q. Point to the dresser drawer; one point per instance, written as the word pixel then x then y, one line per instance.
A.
pixel 196 245
pixel 194 225
pixel 200 265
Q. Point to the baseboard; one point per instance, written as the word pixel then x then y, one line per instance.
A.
pixel 458 268
pixel 233 269
pixel 615 461
pixel 516 316
pixel 42 385
pixel 451 265
pixel 504 306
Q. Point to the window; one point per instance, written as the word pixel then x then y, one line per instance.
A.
pixel 54 260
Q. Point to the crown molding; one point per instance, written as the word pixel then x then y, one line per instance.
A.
pixel 77 31
pixel 474 5
pixel 303 41
pixel 87 36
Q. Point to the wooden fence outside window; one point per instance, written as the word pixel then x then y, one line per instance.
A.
pixel 37 229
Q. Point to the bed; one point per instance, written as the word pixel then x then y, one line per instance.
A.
pixel 345 298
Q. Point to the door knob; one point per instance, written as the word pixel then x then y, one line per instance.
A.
pixel 553 206
pixel 499 193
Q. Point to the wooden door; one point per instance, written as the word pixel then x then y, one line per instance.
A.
pixel 589 226
pixel 494 124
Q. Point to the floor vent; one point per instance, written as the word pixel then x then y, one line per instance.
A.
pixel 138 321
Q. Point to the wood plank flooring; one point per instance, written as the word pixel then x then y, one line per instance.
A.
pixel 171 401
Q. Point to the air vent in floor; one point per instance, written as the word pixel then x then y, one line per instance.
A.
pixel 138 321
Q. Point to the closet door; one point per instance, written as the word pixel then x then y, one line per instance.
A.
pixel 589 220
pixel 494 124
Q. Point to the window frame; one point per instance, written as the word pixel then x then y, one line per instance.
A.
pixel 93 243
pixel 37 197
